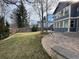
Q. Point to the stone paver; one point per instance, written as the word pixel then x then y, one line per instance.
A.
pixel 68 40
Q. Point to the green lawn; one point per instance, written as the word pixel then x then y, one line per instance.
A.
pixel 23 46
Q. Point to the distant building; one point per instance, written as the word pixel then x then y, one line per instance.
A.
pixel 45 24
pixel 66 17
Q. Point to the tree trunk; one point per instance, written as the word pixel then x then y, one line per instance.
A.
pixel 46 15
pixel 42 27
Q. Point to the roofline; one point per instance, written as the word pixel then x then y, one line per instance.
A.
pixel 59 3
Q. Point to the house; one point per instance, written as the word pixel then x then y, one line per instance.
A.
pixel 46 25
pixel 66 17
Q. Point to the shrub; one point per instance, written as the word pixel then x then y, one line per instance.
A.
pixel 35 28
pixel 5 31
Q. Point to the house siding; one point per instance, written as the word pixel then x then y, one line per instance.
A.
pixel 72 14
pixel 73 11
pixel 61 29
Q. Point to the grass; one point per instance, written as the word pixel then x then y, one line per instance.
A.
pixel 23 46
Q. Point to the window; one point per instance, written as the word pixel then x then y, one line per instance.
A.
pixel 66 10
pixel 57 24
pixel 61 24
pixel 65 23
pixel 54 16
pixel 78 24
pixel 77 9
pixel 73 23
pixel 63 12
pixel 54 25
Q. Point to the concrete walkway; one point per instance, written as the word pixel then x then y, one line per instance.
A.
pixel 68 40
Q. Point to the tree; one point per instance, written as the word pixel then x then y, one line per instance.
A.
pixel 1 24
pixel 4 28
pixel 34 28
pixel 7 27
pixel 20 15
pixel 42 7
pixel 38 5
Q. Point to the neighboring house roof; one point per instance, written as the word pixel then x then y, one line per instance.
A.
pixel 61 5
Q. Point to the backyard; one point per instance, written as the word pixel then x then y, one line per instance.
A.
pixel 23 46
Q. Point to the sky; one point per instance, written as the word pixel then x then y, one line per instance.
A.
pixel 33 15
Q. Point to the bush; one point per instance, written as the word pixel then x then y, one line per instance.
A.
pixel 35 28
pixel 5 31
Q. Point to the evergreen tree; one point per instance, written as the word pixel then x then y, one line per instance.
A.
pixel 1 26
pixel 7 28
pixel 1 23
pixel 20 15
pixel 4 29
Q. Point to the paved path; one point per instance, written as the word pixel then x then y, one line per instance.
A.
pixel 9 37
pixel 67 40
